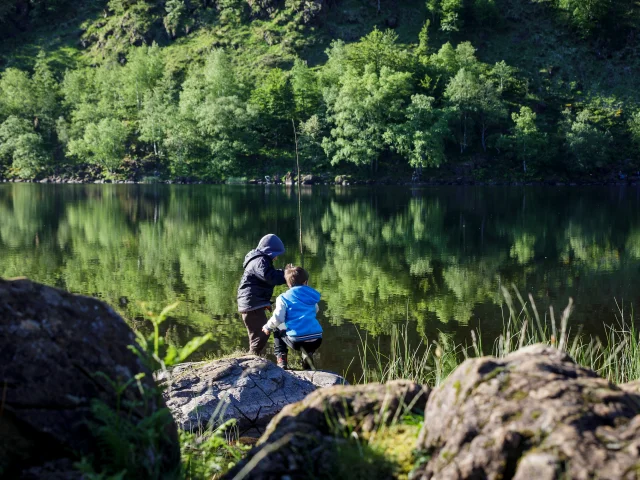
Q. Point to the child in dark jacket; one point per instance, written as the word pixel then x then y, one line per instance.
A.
pixel 296 309
pixel 256 289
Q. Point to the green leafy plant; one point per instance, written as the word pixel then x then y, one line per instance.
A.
pixel 132 431
pixel 155 347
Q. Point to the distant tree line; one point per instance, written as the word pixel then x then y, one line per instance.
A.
pixel 373 101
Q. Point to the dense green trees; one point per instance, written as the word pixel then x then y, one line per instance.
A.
pixel 21 148
pixel 526 141
pixel 103 143
pixel 376 102
pixel 365 106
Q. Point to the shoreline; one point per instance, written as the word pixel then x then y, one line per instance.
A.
pixel 383 182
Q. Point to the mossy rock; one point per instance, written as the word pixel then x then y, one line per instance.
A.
pixel 357 432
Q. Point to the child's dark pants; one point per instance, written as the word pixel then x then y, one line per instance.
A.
pixel 254 321
pixel 281 342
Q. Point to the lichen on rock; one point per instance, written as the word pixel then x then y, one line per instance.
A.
pixel 534 414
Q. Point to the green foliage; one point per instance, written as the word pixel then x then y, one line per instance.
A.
pixel 614 356
pixel 103 143
pixel 275 106
pixel 132 439
pixel 477 100
pixel 634 127
pixel 209 89
pixel 310 135
pixel 586 15
pixel 306 90
pixel 586 139
pixel 209 454
pixel 157 353
pixel 363 109
pixel 378 49
pixel 213 116
pixel 141 73
pixel 450 11
pixel 423 41
pixel 177 18
pixel 526 140
pixel 421 139
pixel 158 110
pixel 22 150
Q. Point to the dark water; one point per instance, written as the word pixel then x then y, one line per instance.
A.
pixel 379 256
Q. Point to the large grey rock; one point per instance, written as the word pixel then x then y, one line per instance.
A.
pixel 250 389
pixel 58 353
pixel 302 441
pixel 535 414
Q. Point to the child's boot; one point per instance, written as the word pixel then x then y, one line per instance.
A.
pixel 282 361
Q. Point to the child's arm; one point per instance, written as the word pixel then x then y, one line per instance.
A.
pixel 278 317
pixel 266 272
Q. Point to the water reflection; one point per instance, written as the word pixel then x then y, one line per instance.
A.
pixel 436 256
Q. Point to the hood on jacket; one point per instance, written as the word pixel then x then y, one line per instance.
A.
pixel 252 255
pixel 271 245
pixel 305 294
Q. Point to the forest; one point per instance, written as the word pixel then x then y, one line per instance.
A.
pixel 213 90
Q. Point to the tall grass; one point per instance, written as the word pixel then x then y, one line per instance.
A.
pixel 616 356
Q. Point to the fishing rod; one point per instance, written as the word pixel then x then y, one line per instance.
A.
pixel 295 136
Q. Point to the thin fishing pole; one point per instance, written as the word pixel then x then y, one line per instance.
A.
pixel 295 136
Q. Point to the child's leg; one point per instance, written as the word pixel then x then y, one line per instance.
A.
pixel 308 349
pixel 254 321
pixel 279 345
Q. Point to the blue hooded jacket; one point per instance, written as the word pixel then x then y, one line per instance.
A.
pixel 260 276
pixel 301 320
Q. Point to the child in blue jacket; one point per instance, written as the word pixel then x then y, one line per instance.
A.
pixel 296 309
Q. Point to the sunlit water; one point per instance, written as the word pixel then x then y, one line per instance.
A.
pixel 435 257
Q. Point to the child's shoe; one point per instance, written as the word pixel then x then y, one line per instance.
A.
pixel 282 362
pixel 307 362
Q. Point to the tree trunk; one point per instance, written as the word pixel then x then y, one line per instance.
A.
pixel 464 135
pixel 484 143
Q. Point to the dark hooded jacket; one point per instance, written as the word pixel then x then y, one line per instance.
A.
pixel 260 276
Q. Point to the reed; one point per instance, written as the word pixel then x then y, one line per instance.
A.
pixel 615 356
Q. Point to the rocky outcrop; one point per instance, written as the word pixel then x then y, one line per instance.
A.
pixel 535 414
pixel 59 353
pixel 311 180
pixel 301 440
pixel 342 180
pixel 250 389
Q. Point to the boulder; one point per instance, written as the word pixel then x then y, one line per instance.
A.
pixel 58 353
pixel 311 180
pixel 250 389
pixel 534 414
pixel 342 180
pixel 302 440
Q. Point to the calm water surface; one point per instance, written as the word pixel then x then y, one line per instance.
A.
pixel 436 257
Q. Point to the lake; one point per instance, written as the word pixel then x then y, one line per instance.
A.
pixel 435 257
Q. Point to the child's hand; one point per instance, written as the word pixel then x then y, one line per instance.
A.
pixel 266 331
